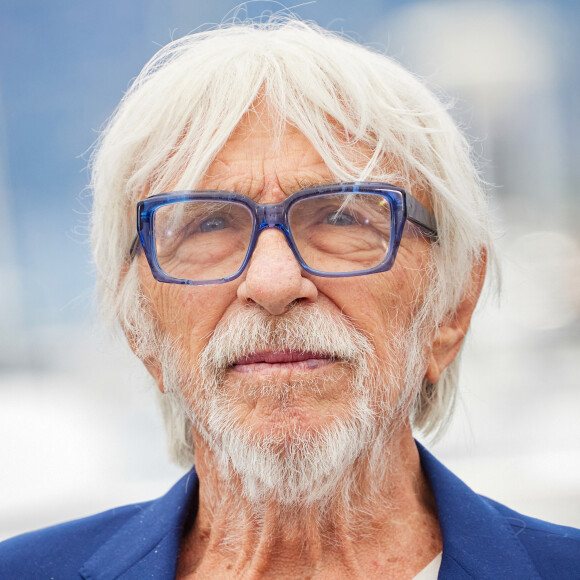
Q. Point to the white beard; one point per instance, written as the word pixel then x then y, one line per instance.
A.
pixel 300 466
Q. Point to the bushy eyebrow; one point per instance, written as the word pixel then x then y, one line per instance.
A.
pixel 294 185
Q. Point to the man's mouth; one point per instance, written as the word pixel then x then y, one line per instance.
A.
pixel 272 361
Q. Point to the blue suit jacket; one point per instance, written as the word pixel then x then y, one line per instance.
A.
pixel 481 539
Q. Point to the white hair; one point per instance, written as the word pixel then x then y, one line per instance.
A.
pixel 344 98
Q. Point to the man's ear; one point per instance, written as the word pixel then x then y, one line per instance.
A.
pixel 152 363
pixel 452 330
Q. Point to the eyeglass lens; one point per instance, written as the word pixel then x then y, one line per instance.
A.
pixel 207 240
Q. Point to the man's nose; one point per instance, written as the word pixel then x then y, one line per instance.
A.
pixel 273 278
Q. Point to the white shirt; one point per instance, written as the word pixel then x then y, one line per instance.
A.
pixel 431 571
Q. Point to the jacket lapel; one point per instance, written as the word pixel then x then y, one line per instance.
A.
pixel 147 546
pixel 478 542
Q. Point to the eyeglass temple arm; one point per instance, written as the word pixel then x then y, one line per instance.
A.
pixel 134 247
pixel 420 215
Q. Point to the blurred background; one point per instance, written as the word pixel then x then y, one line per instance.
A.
pixel 79 429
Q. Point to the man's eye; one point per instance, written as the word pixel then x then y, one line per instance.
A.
pixel 338 218
pixel 212 224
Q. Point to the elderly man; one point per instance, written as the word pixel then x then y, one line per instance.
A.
pixel 310 243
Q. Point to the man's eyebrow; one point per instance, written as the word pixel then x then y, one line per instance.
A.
pixel 300 183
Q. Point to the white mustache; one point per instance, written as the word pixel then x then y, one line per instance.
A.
pixel 309 328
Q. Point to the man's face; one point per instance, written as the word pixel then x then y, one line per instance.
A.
pixel 319 387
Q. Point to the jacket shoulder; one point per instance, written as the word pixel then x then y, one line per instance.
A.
pixel 554 549
pixel 59 551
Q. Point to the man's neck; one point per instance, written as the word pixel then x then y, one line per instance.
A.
pixel 378 529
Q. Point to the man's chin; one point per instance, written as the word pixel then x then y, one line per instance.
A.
pixel 284 411
pixel 288 453
pixel 294 433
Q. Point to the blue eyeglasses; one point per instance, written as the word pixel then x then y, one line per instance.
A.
pixel 338 230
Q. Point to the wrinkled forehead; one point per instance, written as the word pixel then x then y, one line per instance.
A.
pixel 267 156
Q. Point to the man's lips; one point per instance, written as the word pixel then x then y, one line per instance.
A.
pixel 279 360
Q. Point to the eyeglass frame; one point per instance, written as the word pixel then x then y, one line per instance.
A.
pixel 403 207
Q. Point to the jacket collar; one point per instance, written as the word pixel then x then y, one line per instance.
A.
pixel 147 546
pixel 478 542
